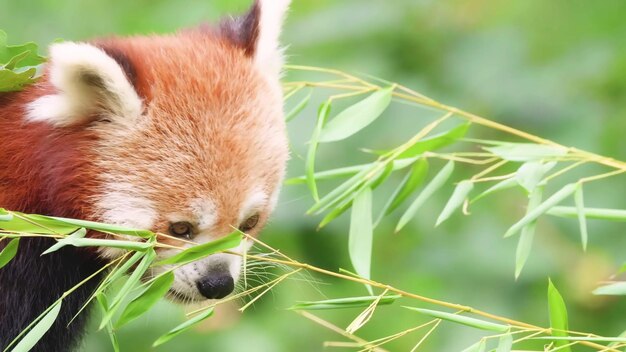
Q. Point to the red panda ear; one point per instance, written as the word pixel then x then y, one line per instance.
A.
pixel 89 83
pixel 258 33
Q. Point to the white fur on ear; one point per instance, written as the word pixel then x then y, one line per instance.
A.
pixel 89 81
pixel 268 54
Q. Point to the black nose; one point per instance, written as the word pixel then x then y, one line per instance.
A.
pixel 216 286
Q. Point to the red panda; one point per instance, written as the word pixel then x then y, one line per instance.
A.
pixel 181 134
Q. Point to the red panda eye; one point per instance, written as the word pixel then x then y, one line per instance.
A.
pixel 249 224
pixel 181 229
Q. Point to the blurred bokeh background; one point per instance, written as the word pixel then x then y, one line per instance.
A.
pixel 554 68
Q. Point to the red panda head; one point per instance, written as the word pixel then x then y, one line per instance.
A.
pixel 188 133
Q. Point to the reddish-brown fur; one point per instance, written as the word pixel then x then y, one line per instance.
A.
pixel 212 129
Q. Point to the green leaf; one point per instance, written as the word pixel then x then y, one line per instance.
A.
pixel 380 179
pixel 9 52
pixel 357 116
pixel 582 220
pixel 398 164
pixel 435 184
pixel 528 233
pixel 122 270
pixel 5 216
pixel 24 223
pixel 105 308
pixel 132 281
pixel 614 289
pixel 80 233
pixel 590 213
pixel 32 223
pixel 298 108
pixel 531 173
pixel 322 114
pixel 146 299
pixel 456 200
pixel 437 141
pixel 13 81
pixel 558 315
pixel 183 327
pixel 582 338
pixel 409 184
pixel 479 346
pixel 340 193
pixel 542 208
pixel 505 343
pixel 332 215
pixel 341 303
pixel 91 225
pixel 9 252
pixel 502 185
pixel 462 319
pixel 432 143
pixel 526 151
pixel 360 241
pixel 203 250
pixel 36 333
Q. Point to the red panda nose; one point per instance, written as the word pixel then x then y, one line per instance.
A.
pixel 216 286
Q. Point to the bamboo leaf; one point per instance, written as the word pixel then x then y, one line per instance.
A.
pixel 102 302
pixel 435 184
pixel 590 213
pixel 614 289
pixel 479 346
pixel 36 333
pixel 332 215
pixel 409 184
pixel 526 151
pixel 340 193
pixel 203 250
pixel 322 114
pixel 531 173
pixel 458 197
pixel 342 303
pixel 80 233
pixel 146 299
pixel 398 164
pixel 183 327
pixel 133 280
pixel 582 220
pixel 298 108
pixel 357 116
pixel 542 208
pixel 558 315
pixel 528 233
pixel 9 252
pixel 432 143
pixel 502 185
pixel 360 241
pixel 463 320
pixel 505 343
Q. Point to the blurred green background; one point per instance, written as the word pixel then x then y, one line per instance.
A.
pixel 554 68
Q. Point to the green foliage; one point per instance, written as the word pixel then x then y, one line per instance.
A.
pixel 558 316
pixel 183 327
pixel 203 250
pixel 463 320
pixel 9 251
pixel 356 117
pixel 17 64
pixel 341 303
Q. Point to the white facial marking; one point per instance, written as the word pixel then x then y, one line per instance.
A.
pixel 205 212
pixel 256 201
pixel 72 66
pixel 120 207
